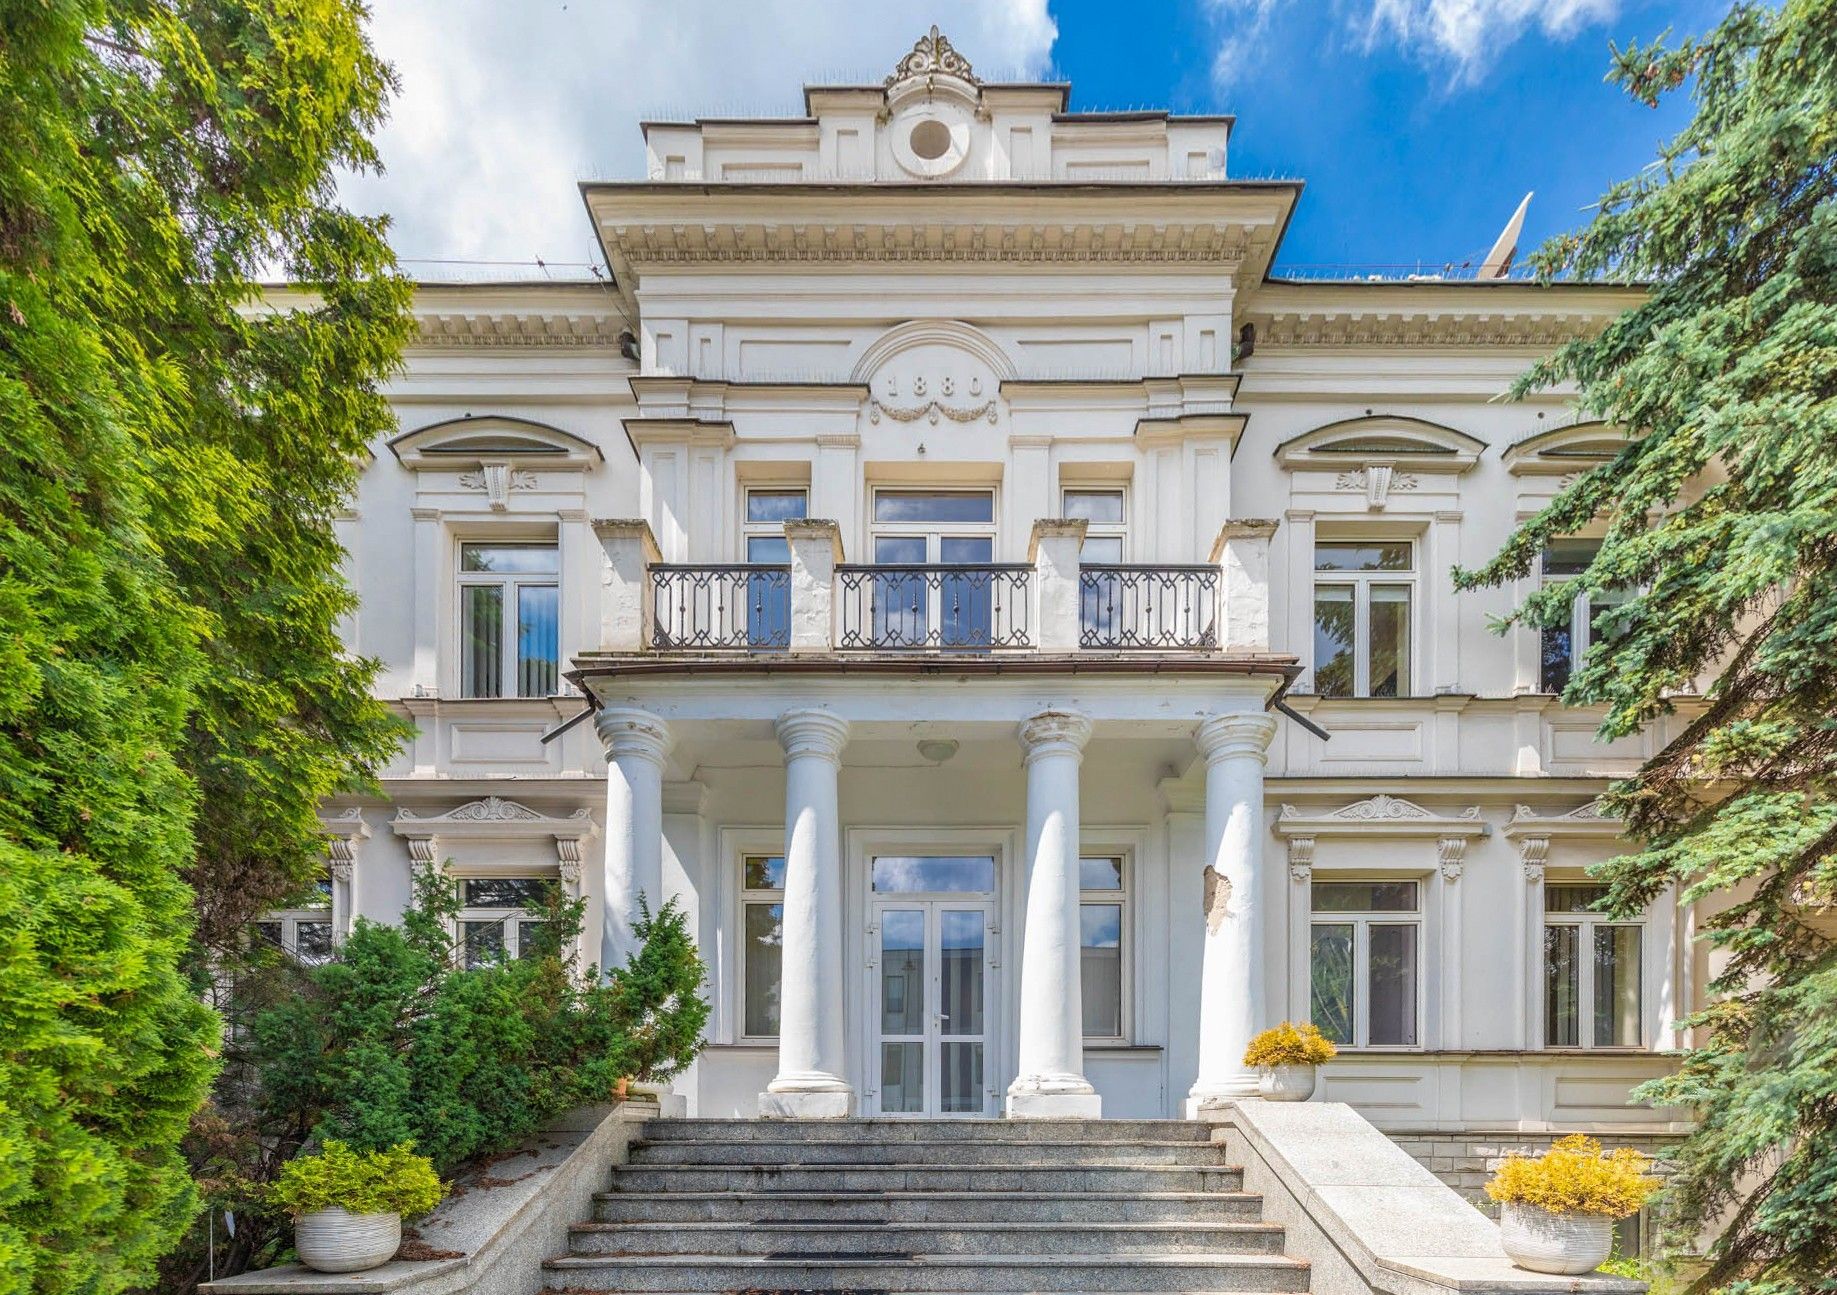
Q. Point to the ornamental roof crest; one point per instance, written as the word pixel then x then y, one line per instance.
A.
pixel 931 54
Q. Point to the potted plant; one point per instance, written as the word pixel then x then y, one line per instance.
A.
pixel 1287 1055
pixel 1558 1209
pixel 348 1205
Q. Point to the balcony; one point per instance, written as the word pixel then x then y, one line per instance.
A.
pixel 1051 605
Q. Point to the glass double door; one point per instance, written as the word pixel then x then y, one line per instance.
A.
pixel 930 976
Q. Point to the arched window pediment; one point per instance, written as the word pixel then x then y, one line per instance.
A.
pixel 470 442
pixel 1562 450
pixel 1398 440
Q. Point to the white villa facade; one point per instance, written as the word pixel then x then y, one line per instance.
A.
pixel 957 536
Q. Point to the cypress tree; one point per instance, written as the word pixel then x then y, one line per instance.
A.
pixel 173 700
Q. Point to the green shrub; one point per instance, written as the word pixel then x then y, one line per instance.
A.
pixel 391 1041
pixel 396 1181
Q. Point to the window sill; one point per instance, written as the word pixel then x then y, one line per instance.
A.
pixel 1115 1046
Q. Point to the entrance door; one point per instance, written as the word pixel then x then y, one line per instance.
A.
pixel 931 926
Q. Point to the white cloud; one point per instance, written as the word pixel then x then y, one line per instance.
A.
pixel 1470 33
pixel 1242 24
pixel 507 104
pixel 1465 35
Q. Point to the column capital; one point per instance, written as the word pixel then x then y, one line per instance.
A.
pixel 627 732
pixel 812 731
pixel 1054 732
pixel 1240 733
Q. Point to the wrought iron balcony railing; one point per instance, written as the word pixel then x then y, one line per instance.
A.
pixel 982 607
pixel 1147 608
pixel 741 607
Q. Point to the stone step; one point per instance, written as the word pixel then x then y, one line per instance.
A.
pixel 984 1151
pixel 906 1129
pixel 968 1274
pixel 922 1207
pixel 1115 1177
pixel 828 1238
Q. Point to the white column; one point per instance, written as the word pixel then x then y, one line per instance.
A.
pixel 810 1083
pixel 636 743
pixel 1050 1082
pixel 1231 983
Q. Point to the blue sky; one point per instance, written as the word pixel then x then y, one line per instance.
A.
pixel 1416 124
pixel 1407 154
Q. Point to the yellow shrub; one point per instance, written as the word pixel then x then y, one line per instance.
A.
pixel 1289 1044
pixel 1573 1177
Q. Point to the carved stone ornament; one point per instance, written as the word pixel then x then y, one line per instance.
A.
pixel 1451 855
pixel 932 53
pixel 1377 481
pixel 1534 850
pixel 497 480
pixel 492 809
pixel 1301 858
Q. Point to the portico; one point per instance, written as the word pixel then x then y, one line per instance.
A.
pixel 925 965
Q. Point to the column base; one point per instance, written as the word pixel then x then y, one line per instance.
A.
pixel 836 1103
pixel 1054 1106
pixel 1211 1101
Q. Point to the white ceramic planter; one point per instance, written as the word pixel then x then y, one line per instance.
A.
pixel 334 1241
pixel 1286 1083
pixel 1542 1242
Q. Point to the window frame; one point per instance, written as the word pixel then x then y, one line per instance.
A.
pixel 1361 922
pixel 1121 898
pixel 751 530
pixel 1586 922
pixel 1118 531
pixel 511 583
pixel 934 533
pixel 291 919
pixel 511 919
pixel 746 896
pixel 1362 582
pixel 1582 634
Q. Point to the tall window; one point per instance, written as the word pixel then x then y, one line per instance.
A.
pixel 1105 525
pixel 768 599
pixel 1565 645
pixel 1363 959
pixel 762 917
pixel 1101 912
pixel 304 932
pixel 1363 591
pixel 935 527
pixel 508 609
pixel 495 918
pixel 1591 972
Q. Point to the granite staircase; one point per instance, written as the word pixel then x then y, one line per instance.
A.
pixel 926 1205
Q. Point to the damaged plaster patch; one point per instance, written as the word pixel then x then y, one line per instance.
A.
pixel 1217 900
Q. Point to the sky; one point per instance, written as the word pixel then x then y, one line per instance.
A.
pixel 1417 125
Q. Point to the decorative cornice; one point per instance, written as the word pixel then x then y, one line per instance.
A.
pixel 490 817
pixel 522 330
pixel 1224 243
pixel 1420 329
pixel 1585 821
pixel 1380 815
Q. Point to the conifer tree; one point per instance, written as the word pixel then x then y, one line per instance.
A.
pixel 173 699
pixel 1721 515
